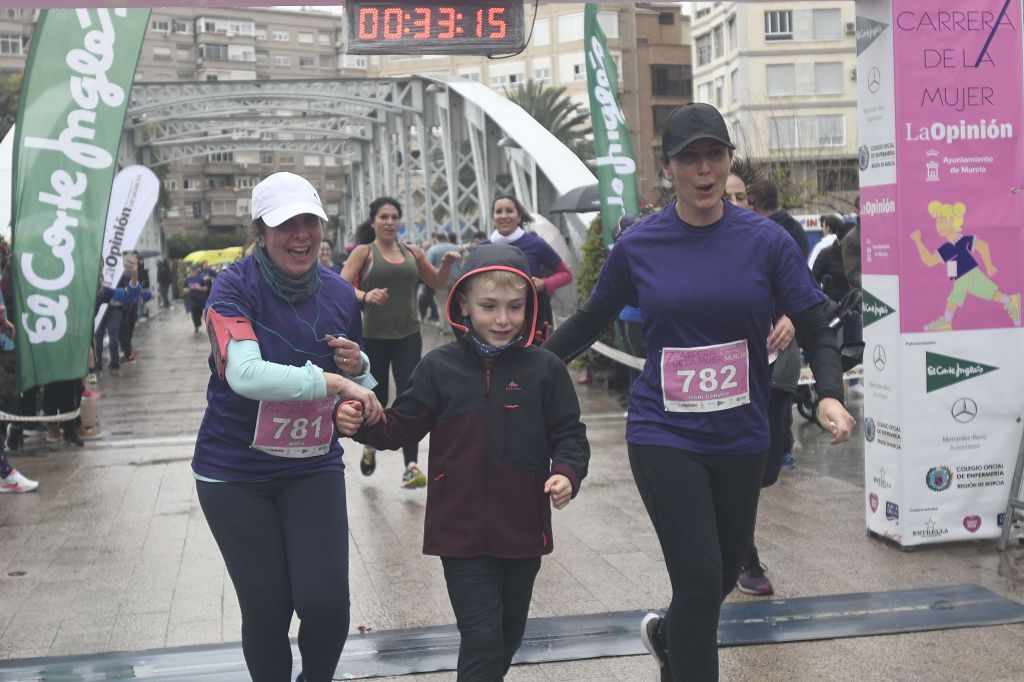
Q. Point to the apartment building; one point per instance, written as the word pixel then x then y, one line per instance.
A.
pixel 649 43
pixel 784 76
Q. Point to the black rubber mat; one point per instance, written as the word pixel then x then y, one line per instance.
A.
pixel 564 638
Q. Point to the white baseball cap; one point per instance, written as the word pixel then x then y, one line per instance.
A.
pixel 282 196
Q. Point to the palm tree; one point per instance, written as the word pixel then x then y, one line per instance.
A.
pixel 553 109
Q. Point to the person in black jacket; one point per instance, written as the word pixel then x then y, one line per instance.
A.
pixel 505 436
pixel 764 199
pixel 830 260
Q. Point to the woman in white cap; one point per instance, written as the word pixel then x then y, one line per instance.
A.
pixel 708 277
pixel 285 335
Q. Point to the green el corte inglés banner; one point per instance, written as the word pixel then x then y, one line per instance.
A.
pixel 73 100
pixel 616 169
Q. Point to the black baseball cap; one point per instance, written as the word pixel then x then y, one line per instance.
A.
pixel 691 122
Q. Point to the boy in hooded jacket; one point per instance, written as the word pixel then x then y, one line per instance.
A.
pixel 505 435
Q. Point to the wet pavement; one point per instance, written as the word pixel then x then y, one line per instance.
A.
pixel 112 552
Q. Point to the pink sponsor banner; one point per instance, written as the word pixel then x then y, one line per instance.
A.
pixel 958 128
pixel 878 230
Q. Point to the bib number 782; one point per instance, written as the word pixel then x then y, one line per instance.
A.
pixel 709 377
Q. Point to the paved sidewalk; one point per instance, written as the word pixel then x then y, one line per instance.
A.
pixel 112 552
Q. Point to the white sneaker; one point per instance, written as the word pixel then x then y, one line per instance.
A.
pixel 16 483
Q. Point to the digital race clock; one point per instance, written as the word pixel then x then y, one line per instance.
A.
pixel 452 27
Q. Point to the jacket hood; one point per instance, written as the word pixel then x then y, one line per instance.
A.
pixel 489 257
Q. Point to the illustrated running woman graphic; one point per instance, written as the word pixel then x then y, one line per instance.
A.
pixel 961 266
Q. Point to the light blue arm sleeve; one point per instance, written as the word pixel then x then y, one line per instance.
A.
pixel 250 376
pixel 364 379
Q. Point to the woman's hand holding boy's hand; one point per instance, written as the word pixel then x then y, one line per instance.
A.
pixel 560 490
pixel 349 418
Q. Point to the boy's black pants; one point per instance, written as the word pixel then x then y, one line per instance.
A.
pixel 491 600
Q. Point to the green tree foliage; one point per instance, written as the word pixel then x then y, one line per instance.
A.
pixel 554 110
pixel 10 92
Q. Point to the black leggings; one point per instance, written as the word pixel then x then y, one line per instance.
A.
pixel 703 509
pixel 491 601
pixel 400 356
pixel 285 544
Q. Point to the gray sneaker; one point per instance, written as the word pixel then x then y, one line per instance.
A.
pixel 650 635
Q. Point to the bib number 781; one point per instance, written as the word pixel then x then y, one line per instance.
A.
pixel 300 427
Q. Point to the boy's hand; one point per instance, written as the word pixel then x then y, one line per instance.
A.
pixel 349 418
pixel 560 490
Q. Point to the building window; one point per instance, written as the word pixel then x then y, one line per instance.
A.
pixel 838 175
pixel 325 61
pixel 282 60
pixel 719 41
pixel 220 157
pixel 778 24
pixel 579 71
pixel 262 58
pixel 244 181
pixel 828 78
pixel 267 157
pixel 734 85
pixel 12 13
pixel 671 80
pixel 185 75
pixel 12 44
pixel 241 28
pixel 162 54
pixel 261 31
pixel 170 184
pixel 160 25
pixel 305 38
pixel 324 38
pixel 179 26
pixel 796 132
pixel 666 19
pixel 280 36
pixel 286 159
pixel 542 75
pixel 470 75
pixel 306 62
pixel 719 92
pixel 330 185
pixel 213 51
pixel 570 27
pixel 609 23
pixel 661 113
pixel 223 207
pixel 704 93
pixel 703 45
pixel 734 40
pixel 197 209
pixel 827 24
pixel 781 79
pixel 541 32
pixel 212 77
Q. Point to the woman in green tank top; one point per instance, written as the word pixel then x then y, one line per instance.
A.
pixel 385 273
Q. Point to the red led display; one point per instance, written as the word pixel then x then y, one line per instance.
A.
pixel 451 28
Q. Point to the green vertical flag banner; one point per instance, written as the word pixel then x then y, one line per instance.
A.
pixel 73 100
pixel 616 169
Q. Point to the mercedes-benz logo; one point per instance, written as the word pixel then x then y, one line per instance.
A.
pixel 874 79
pixel 964 410
pixel 878 357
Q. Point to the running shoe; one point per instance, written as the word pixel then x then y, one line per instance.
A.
pixel 368 464
pixel 91 379
pixel 939 325
pixel 52 433
pixel 650 628
pixel 87 393
pixel 752 578
pixel 14 482
pixel 413 477
pixel 1013 309
pixel 89 433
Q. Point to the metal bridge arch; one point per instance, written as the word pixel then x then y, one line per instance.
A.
pixel 442 148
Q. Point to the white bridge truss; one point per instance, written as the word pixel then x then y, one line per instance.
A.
pixel 443 149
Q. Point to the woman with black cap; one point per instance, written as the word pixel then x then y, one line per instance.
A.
pixel 708 278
